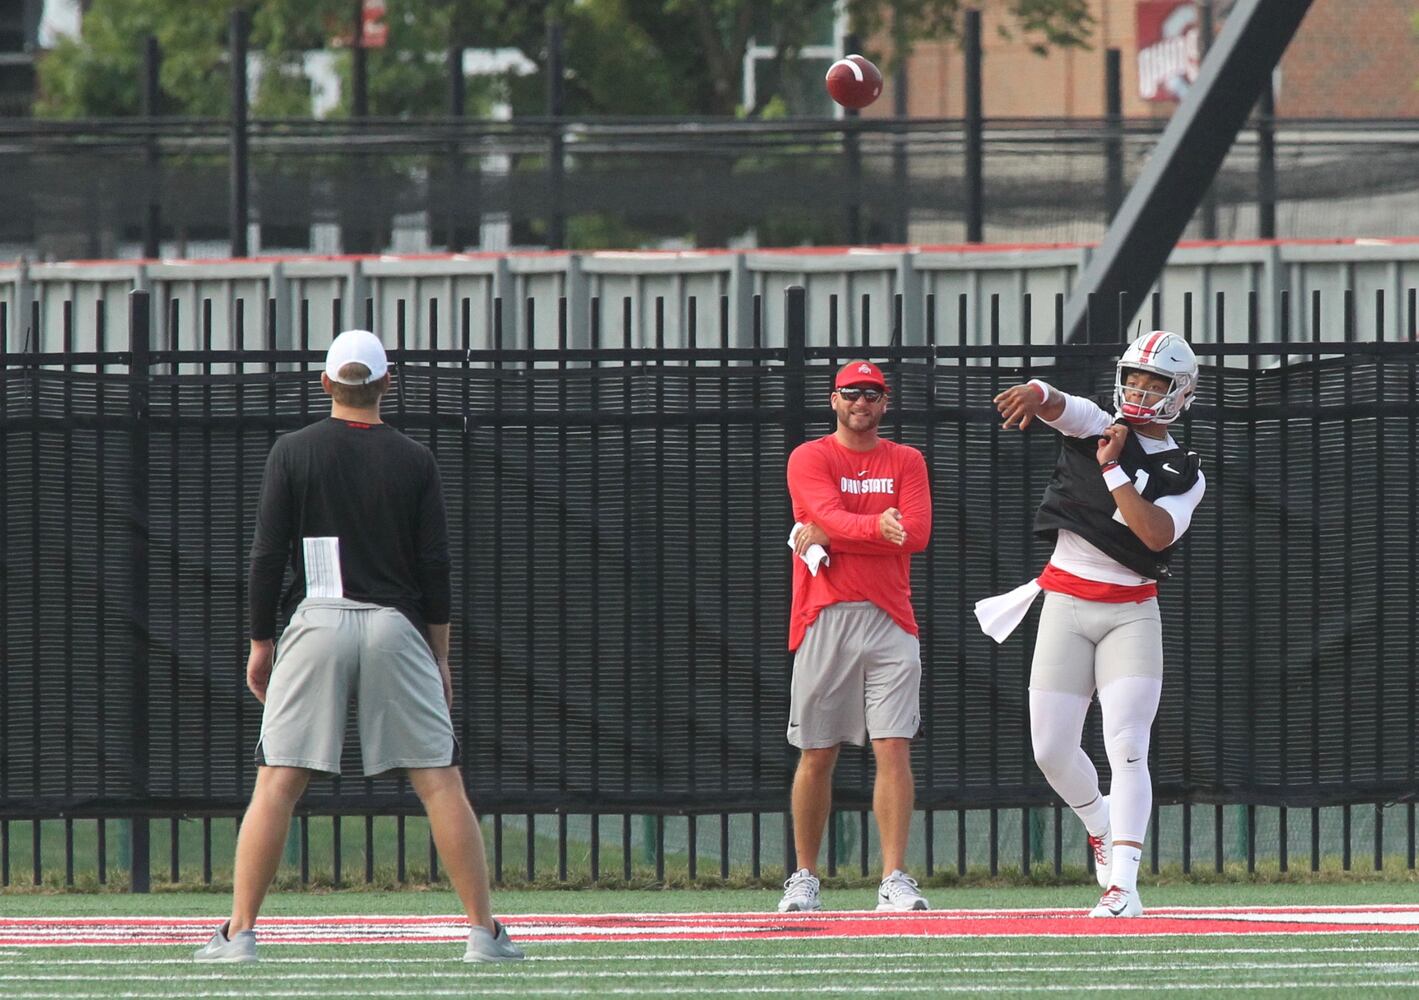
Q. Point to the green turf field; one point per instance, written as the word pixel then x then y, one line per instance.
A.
pixel 1329 965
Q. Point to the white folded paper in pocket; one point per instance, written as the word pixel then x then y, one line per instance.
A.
pixel 999 615
pixel 816 554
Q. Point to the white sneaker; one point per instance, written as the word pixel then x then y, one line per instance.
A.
pixel 240 947
pixel 485 947
pixel 898 891
pixel 800 893
pixel 1118 903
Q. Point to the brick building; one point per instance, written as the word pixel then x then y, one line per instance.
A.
pixel 1350 59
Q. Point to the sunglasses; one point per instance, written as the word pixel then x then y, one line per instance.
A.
pixel 871 395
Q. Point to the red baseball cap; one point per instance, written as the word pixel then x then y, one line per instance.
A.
pixel 859 373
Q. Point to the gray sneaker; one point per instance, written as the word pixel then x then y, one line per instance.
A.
pixel 485 947
pixel 240 947
pixel 800 893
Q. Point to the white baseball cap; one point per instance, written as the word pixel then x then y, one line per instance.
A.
pixel 359 347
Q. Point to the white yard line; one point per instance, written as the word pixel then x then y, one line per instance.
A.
pixel 795 990
pixel 526 973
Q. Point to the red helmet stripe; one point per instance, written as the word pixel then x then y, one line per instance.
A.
pixel 1154 342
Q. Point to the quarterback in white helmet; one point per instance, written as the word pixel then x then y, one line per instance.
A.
pixel 1121 498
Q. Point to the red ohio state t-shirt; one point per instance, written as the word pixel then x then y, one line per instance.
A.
pixel 844 492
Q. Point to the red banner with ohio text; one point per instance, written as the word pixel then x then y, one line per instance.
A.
pixel 1169 48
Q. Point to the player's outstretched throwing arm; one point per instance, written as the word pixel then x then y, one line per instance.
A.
pixel 1157 523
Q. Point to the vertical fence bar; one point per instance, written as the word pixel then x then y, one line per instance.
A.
pixel 530 555
pixel 36 561
pixel 238 538
pixel 69 531
pixel 1316 568
pixel 139 333
pixel 1347 581
pixel 401 871
pixel 795 373
pixel 1058 806
pixel 661 707
pixel 1283 508
pixel 692 629
pixel 928 653
pixel 1253 362
pixel 962 402
pixel 724 575
pixel 174 570
pixel 755 615
pixel 1380 546
pixel 563 783
pixel 1187 651
pixel 594 338
pixel 205 340
pixel 1218 582
pixel 497 581
pixel 993 529
pixel 627 578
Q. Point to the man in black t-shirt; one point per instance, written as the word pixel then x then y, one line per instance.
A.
pixel 357 510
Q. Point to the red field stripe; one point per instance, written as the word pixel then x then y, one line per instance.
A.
pixel 631 927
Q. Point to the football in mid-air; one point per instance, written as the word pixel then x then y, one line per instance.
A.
pixel 854 82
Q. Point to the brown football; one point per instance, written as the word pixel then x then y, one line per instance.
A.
pixel 854 82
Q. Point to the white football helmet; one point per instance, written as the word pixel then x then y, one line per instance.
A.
pixel 1168 356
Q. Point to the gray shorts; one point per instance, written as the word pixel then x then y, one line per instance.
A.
pixel 856 676
pixel 334 648
pixel 1083 645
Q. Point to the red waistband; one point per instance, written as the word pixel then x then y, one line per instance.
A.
pixel 1062 581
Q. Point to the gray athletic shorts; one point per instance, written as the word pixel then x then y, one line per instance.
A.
pixel 334 648
pixel 1083 645
pixel 856 676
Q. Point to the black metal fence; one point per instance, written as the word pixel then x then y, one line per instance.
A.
pixel 101 188
pixel 618 518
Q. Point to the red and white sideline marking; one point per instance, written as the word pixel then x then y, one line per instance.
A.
pixel 16 932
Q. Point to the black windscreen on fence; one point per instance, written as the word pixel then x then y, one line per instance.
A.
pixel 621 579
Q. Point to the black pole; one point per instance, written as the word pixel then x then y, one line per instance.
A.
pixel 237 222
pixel 1113 130
pixel 975 225
pixel 455 154
pixel 1207 30
pixel 140 342
pixel 852 162
pixel 1266 163
pixel 152 215
pixel 901 171
pixel 556 107
pixel 359 68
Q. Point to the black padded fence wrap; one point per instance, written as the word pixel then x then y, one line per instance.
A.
pixel 621 578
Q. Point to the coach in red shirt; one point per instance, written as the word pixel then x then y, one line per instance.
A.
pixel 862 506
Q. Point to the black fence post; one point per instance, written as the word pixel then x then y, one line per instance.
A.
pixel 901 169
pixel 1208 208
pixel 455 194
pixel 359 64
pixel 152 215
pixel 238 165
pixel 140 340
pixel 556 107
pixel 1266 164
pixel 975 127
pixel 1113 134
pixel 852 162
pixel 795 331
